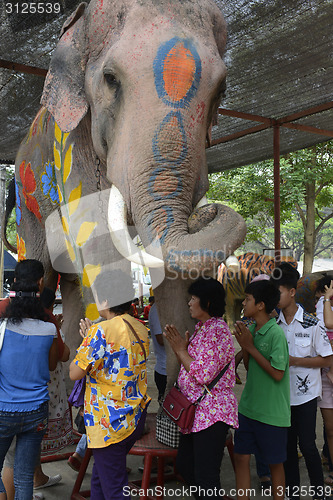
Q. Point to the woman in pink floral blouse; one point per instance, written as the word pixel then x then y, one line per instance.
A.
pixel 202 357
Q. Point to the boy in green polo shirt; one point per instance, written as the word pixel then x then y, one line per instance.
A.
pixel 264 408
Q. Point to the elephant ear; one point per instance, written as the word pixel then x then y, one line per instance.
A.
pixel 63 93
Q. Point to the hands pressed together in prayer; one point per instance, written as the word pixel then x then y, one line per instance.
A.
pixel 179 345
pixel 243 335
pixel 177 342
pixel 84 326
pixel 59 319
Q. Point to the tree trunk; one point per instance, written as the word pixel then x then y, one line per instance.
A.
pixel 309 229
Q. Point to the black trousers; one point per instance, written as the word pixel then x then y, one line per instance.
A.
pixel 303 429
pixel 199 458
pixel 161 382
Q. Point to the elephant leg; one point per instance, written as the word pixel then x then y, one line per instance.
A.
pixel 171 300
pixel 230 312
pixel 31 244
pixel 238 309
pixel 73 311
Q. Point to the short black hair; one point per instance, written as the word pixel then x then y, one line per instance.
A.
pixel 30 270
pixel 266 292
pixel 151 298
pixel 324 280
pixel 211 294
pixel 285 275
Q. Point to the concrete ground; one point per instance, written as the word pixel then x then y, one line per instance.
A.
pixel 62 491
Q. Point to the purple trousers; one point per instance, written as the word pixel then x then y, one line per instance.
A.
pixel 109 476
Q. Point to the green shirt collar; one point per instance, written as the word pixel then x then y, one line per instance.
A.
pixel 264 329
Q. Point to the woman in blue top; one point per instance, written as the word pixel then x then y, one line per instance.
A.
pixel 29 351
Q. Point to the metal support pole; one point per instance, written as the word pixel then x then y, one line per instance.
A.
pixel 277 235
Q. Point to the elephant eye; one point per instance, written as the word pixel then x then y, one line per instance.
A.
pixel 111 79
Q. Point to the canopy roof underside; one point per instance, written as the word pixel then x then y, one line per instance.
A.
pixel 279 59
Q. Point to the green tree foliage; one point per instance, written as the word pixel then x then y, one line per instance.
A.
pixel 306 199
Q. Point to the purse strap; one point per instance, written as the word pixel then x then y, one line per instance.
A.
pixel 137 338
pixel 2 331
pixel 213 382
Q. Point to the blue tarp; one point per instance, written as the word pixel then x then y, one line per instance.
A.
pixel 9 261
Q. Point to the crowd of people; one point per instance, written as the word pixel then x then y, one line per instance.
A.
pixel 286 351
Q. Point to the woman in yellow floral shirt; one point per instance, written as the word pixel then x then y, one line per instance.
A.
pixel 113 358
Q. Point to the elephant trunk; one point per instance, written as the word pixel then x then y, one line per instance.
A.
pixel 211 233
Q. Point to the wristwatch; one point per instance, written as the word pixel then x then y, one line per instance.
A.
pixel 327 300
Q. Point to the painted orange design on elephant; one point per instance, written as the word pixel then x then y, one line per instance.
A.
pixel 179 70
pixel 165 185
pixel 28 187
pixel 21 249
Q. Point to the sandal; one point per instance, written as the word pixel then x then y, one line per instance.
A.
pixel 74 463
pixel 52 480
pixel 324 461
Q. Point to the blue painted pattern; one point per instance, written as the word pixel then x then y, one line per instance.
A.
pixel 177 72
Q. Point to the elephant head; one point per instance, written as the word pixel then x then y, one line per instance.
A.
pixel 142 80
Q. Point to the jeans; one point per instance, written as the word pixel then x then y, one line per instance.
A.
pixel 303 427
pixel 199 459
pixel 29 428
pixel 81 447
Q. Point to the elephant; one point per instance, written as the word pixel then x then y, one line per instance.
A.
pixel 306 288
pixel 250 265
pixel 118 149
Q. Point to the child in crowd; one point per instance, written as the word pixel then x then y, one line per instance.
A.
pixel 320 294
pixel 264 408
pixel 326 402
pixel 309 350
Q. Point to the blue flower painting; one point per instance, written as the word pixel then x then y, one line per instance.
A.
pixel 49 183
pixel 18 209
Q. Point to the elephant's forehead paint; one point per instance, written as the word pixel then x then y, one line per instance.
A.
pixel 177 70
pixel 178 73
